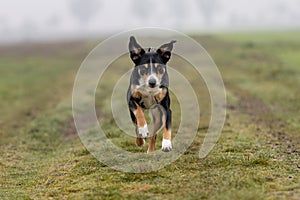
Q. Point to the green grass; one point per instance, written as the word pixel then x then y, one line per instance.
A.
pixel 257 156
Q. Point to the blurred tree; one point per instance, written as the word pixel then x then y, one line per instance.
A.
pixel 84 10
pixel 208 9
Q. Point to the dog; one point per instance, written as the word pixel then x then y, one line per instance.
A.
pixel 148 89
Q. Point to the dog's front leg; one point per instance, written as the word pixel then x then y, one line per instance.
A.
pixel 166 143
pixel 142 128
pixel 164 100
pixel 137 115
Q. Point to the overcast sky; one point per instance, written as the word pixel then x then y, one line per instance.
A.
pixel 44 19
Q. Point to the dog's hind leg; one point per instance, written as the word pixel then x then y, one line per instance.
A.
pixel 151 147
pixel 157 113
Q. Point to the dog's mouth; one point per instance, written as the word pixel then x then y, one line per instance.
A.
pixel 156 86
pixel 152 86
pixel 146 89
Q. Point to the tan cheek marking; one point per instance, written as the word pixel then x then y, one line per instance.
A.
pixel 160 96
pixel 139 115
pixel 145 77
pixel 159 76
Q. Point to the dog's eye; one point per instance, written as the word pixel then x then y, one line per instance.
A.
pixel 160 69
pixel 143 71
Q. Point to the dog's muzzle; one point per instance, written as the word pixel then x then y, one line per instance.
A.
pixel 152 82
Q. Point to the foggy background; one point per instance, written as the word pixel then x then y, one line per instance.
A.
pixel 31 20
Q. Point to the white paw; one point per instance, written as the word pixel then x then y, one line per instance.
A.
pixel 166 145
pixel 143 131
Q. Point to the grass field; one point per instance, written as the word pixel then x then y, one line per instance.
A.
pixel 257 156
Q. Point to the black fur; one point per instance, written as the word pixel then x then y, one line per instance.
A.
pixel 144 62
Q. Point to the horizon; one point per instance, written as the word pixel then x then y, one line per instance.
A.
pixel 35 20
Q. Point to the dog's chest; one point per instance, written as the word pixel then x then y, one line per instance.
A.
pixel 148 96
pixel 147 101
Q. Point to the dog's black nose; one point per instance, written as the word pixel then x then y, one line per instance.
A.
pixel 152 82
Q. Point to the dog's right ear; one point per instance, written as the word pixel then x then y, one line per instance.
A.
pixel 135 50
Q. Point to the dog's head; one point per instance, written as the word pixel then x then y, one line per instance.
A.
pixel 150 67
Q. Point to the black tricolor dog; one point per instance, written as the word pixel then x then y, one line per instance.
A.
pixel 149 90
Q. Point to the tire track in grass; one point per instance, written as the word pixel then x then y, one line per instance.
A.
pixel 261 80
pixel 261 115
pixel 269 133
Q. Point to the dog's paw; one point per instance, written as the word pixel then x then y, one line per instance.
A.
pixel 166 145
pixel 150 152
pixel 143 132
pixel 139 142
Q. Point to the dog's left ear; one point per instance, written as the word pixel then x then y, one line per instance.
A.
pixel 135 50
pixel 165 51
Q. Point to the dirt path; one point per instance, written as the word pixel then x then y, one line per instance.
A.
pixel 261 115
